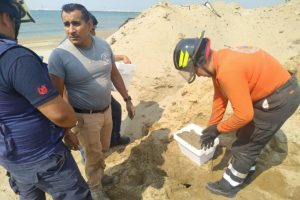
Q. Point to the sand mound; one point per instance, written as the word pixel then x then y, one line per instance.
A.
pixel 293 65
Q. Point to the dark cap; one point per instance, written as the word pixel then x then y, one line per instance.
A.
pixel 17 9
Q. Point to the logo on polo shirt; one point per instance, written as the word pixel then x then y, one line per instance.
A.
pixel 106 58
pixel 42 90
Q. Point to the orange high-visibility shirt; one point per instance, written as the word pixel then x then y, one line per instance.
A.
pixel 243 75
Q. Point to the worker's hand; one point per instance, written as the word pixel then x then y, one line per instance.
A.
pixel 130 109
pixel 208 136
pixel 126 60
pixel 71 140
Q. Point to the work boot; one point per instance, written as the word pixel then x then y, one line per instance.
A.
pixel 109 180
pixel 124 140
pixel 99 195
pixel 248 178
pixel 222 187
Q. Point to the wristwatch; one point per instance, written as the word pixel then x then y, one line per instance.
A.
pixel 128 98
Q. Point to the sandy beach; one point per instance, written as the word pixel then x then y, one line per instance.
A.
pixel 152 167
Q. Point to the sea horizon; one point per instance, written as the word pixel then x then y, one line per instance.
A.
pixel 89 10
pixel 48 23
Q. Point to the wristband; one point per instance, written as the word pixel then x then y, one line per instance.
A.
pixel 127 98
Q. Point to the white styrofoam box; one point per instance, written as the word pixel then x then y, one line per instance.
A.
pixel 126 71
pixel 199 156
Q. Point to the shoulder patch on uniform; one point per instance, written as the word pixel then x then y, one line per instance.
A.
pixel 42 90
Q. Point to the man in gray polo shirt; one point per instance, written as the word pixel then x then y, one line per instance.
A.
pixel 85 66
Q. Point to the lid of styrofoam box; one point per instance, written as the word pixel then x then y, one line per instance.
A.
pixel 198 130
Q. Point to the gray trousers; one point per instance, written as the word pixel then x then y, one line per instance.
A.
pixel 270 113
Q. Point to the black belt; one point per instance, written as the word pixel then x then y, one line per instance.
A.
pixel 77 110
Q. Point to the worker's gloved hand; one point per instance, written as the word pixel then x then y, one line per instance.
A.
pixel 208 136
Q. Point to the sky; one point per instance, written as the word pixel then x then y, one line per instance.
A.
pixel 133 5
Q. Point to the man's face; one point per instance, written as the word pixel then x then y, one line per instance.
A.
pixel 77 30
pixel 199 71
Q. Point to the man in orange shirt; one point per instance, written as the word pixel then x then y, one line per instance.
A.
pixel 261 91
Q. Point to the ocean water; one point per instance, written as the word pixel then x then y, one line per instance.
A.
pixel 49 24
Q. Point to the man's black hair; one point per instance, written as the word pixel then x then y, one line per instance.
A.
pixel 93 18
pixel 70 7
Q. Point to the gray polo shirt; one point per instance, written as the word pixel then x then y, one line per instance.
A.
pixel 86 73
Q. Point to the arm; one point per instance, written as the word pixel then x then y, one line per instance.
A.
pixel 65 95
pixel 219 105
pixel 59 112
pixel 123 58
pixel 70 139
pixel 118 82
pixel 30 78
pixel 58 83
pixel 236 88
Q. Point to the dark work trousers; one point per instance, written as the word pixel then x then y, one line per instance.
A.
pixel 57 175
pixel 116 118
pixel 270 113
